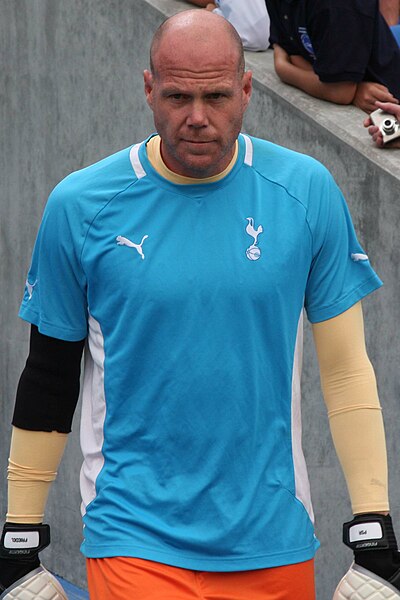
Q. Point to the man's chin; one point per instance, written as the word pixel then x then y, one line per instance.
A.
pixel 200 172
pixel 197 166
pixel 197 160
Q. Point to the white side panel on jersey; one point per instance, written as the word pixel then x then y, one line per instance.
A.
pixel 93 413
pixel 248 157
pixel 135 162
pixel 300 469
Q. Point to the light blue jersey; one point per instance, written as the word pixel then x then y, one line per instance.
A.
pixel 191 297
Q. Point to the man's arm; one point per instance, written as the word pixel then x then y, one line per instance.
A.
pixel 351 396
pixel 295 71
pixel 46 399
pixel 354 411
pixel 32 467
pixel 306 79
pixel 33 463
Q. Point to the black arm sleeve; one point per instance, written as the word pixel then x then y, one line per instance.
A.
pixel 48 389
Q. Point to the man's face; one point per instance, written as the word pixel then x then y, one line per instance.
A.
pixel 198 100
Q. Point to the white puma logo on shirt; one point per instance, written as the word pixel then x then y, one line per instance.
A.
pixel 357 256
pixel 30 288
pixel 123 241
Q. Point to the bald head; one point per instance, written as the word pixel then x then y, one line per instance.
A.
pixel 198 91
pixel 197 28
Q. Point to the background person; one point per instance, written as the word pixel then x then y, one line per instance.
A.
pixel 191 419
pixel 336 50
pixel 250 19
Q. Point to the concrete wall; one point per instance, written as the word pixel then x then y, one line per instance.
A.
pixel 71 93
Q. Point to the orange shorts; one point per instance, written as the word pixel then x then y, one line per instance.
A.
pixel 122 578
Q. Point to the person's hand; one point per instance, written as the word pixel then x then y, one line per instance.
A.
pixel 376 558
pixel 210 6
pixel 19 561
pixel 368 93
pixel 374 131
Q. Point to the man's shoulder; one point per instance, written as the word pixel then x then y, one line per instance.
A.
pixel 98 174
pixel 90 187
pixel 275 161
pixel 300 175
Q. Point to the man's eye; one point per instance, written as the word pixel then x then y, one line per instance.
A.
pixel 177 96
pixel 216 96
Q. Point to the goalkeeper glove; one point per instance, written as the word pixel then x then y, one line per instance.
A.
pixel 21 574
pixel 375 572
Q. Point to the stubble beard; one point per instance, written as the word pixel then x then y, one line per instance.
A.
pixel 191 168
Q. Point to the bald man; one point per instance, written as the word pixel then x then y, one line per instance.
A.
pixel 189 260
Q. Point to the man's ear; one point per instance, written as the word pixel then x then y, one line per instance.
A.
pixel 148 87
pixel 247 88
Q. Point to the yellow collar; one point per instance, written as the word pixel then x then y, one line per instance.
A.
pixel 155 158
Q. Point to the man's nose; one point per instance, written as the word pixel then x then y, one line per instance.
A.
pixel 197 116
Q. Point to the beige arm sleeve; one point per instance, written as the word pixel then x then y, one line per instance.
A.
pixel 33 464
pixel 355 416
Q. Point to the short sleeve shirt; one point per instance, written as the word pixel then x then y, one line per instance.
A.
pixel 191 297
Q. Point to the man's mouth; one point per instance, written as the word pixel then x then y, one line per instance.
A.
pixel 198 142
